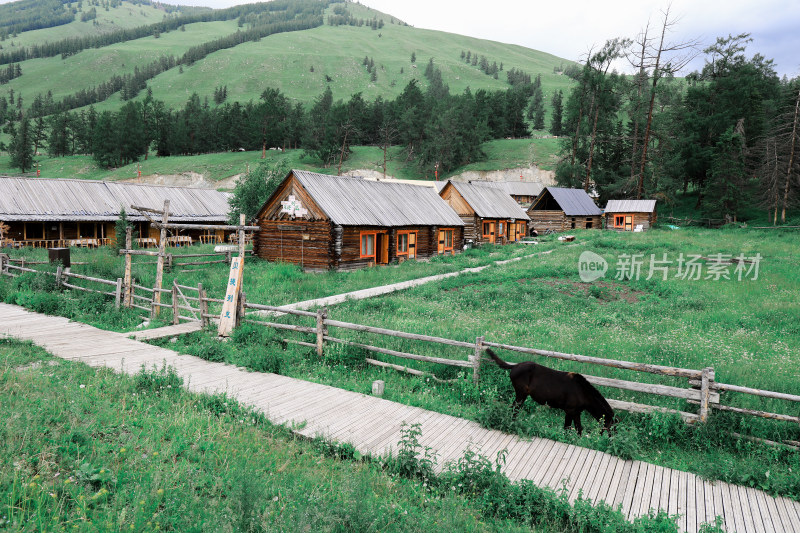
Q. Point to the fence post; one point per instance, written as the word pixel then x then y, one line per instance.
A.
pixel 203 305
pixel 3 263
pixel 705 390
pixel 240 308
pixel 118 293
pixel 322 314
pixel 476 360
pixel 59 272
pixel 176 313
pixel 162 243
pixel 128 282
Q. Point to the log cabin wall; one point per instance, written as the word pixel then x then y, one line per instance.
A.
pixel 302 242
pixel 646 220
pixel 542 220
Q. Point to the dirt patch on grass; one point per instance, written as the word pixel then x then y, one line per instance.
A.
pixel 605 291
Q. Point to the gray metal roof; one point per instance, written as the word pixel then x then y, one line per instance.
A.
pixel 574 202
pixel 630 206
pixel 38 199
pixel 520 188
pixel 358 202
pixel 489 201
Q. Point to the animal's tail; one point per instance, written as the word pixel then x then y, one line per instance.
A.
pixel 599 407
pixel 502 364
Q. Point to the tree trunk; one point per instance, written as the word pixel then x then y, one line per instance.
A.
pixel 591 150
pixel 793 144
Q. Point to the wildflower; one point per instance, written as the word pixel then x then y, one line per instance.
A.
pixel 122 450
pixel 160 492
pixel 83 386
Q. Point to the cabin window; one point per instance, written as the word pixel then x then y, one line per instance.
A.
pixel 619 221
pixel 407 243
pixel 446 240
pixel 368 245
pixel 486 229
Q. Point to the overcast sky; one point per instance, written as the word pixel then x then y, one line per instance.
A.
pixel 569 28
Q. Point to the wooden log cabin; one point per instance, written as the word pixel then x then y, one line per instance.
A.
pixel 558 209
pixel 630 215
pixel 489 213
pixel 67 212
pixel 324 222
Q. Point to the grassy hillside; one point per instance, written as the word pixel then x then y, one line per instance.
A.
pixel 500 154
pixel 282 61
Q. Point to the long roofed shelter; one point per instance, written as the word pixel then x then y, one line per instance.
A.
pixel 69 212
pixel 334 222
pixel 560 209
pixel 490 214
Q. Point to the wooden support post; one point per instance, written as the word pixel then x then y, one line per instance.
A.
pixel 322 330
pixel 176 312
pixel 3 259
pixel 203 305
pixel 118 294
pixel 476 360
pixel 59 273
pixel 160 264
pixel 705 388
pixel 241 235
pixel 127 281
pixel 240 308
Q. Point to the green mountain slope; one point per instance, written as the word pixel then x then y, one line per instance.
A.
pixel 284 61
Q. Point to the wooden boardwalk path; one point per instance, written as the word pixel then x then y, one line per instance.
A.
pixel 373 425
pixel 166 331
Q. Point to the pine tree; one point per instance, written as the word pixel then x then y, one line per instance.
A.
pixel 558 111
pixel 21 147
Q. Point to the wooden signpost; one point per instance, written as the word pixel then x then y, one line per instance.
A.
pixel 228 317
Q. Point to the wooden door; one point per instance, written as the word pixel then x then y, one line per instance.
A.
pixel 492 226
pixel 383 248
pixel 628 222
pixel 440 248
pixel 412 245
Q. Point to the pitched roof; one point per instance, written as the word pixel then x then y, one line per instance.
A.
pixel 520 188
pixel 630 206
pixel 489 201
pixel 574 202
pixel 39 199
pixel 359 202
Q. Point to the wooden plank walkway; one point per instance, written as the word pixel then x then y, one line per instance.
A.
pixel 166 331
pixel 373 426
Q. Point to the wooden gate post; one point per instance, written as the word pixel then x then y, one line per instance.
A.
pixel 160 264
pixel 476 360
pixel 59 272
pixel 705 392
pixel 2 264
pixel 201 295
pixel 127 281
pixel 322 314
pixel 240 308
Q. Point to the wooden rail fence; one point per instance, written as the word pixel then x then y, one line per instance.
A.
pixel 192 303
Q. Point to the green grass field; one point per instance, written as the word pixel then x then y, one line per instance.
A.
pixel 89 450
pixel 746 330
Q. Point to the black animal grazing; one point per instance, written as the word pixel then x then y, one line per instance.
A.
pixel 567 391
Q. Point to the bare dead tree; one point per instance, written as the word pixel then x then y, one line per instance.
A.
pixel 665 59
pixel 790 166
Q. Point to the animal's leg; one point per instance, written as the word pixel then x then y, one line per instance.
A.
pixel 518 401
pixel 576 418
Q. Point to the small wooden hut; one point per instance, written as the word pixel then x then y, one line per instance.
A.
pixel 559 209
pixel 327 222
pixel 630 215
pixel 68 212
pixel 490 214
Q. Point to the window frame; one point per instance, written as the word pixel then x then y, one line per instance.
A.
pixel 451 233
pixel 361 242
pixel 407 233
